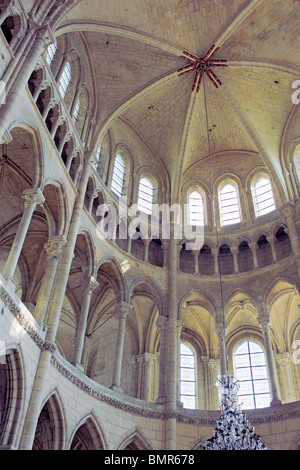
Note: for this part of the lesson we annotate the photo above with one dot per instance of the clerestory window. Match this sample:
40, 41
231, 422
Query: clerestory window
195, 209
118, 178
263, 198
251, 372
65, 79
229, 205
187, 376
51, 51
145, 197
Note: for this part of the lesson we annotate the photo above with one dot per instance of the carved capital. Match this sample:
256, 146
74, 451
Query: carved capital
54, 246
89, 285
33, 197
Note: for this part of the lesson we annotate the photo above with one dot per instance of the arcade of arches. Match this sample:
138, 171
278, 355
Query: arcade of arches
111, 331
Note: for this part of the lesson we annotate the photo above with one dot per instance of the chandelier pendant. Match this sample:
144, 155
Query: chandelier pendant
233, 430
203, 66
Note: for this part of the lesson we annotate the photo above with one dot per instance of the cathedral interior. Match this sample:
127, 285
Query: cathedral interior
150, 221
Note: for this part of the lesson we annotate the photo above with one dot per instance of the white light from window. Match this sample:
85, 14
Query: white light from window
187, 377
196, 209
98, 155
145, 198
65, 80
76, 111
251, 372
263, 197
117, 185
229, 205
51, 51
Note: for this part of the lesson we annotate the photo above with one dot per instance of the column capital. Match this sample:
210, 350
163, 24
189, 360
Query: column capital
123, 309
33, 196
54, 246
90, 284
162, 322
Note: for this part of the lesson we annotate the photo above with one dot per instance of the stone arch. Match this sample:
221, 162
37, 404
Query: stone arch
12, 393
115, 271
56, 206
49, 433
134, 440
88, 435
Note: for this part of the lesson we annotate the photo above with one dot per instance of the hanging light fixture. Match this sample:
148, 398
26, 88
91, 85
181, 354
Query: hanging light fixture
233, 431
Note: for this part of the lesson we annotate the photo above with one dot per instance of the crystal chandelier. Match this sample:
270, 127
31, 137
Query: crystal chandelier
233, 430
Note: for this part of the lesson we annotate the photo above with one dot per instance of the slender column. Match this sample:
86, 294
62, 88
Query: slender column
33, 197
122, 310
41, 39
284, 362
148, 364
289, 213
254, 247
179, 330
162, 324
146, 253
235, 250
215, 253
172, 344
274, 390
65, 265
89, 286
196, 259
213, 372
221, 333
271, 240
53, 249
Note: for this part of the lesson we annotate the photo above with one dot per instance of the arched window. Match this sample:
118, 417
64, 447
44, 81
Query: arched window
229, 205
263, 198
76, 110
97, 156
195, 209
51, 51
117, 185
187, 376
65, 79
145, 198
250, 370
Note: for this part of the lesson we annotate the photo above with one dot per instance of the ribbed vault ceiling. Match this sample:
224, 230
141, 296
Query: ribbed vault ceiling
135, 49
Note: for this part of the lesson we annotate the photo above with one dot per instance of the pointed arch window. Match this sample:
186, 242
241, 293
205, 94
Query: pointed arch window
229, 205
263, 197
76, 111
195, 209
118, 178
187, 376
145, 197
51, 51
65, 79
251, 372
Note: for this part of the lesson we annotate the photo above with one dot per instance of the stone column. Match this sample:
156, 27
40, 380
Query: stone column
264, 322
213, 373
179, 330
123, 309
162, 324
148, 363
272, 240
88, 287
215, 253
66, 261
40, 38
221, 333
289, 213
172, 345
254, 248
235, 250
33, 197
284, 362
53, 248
196, 260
